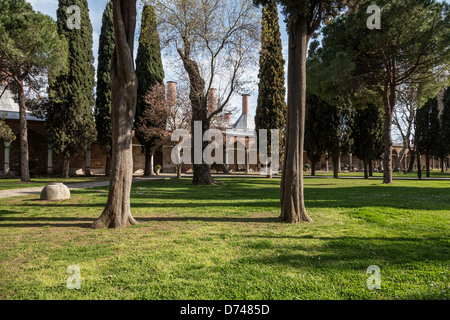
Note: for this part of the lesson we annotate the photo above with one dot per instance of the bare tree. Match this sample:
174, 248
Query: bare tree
216, 40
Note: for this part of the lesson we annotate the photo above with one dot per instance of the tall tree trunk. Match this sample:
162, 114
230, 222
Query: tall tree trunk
313, 168
292, 190
371, 168
442, 165
387, 158
117, 213
412, 152
24, 155
419, 165
400, 158
108, 164
427, 165
336, 166
148, 161
65, 168
366, 172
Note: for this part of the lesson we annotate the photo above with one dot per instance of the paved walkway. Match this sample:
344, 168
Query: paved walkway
74, 186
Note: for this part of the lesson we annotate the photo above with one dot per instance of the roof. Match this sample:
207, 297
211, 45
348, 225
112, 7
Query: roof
10, 107
245, 122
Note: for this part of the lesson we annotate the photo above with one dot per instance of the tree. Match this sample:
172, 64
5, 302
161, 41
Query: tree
410, 48
103, 101
70, 120
445, 124
117, 213
6, 134
367, 134
150, 74
30, 47
303, 20
316, 126
428, 134
216, 41
151, 126
338, 133
271, 109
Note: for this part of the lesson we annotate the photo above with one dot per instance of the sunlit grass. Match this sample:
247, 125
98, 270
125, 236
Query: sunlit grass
224, 242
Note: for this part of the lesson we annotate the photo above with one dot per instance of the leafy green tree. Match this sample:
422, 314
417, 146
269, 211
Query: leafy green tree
6, 134
410, 48
428, 135
316, 126
150, 74
70, 120
30, 48
103, 101
367, 134
271, 109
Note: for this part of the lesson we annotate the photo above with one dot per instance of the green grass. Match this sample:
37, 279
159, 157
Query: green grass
224, 242
10, 184
413, 175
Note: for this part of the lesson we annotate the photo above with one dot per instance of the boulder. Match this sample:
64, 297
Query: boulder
55, 192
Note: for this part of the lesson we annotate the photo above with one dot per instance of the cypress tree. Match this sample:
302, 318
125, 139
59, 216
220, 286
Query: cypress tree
70, 121
271, 109
149, 72
103, 102
428, 131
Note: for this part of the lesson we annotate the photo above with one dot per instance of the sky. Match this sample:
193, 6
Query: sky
96, 8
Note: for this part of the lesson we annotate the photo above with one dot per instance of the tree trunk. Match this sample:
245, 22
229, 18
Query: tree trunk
65, 168
412, 152
148, 161
292, 191
179, 171
400, 158
419, 165
427, 165
366, 172
442, 165
117, 213
370, 168
313, 168
24, 155
336, 165
108, 165
387, 158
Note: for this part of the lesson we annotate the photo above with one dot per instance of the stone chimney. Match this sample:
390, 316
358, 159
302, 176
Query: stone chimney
171, 93
212, 100
246, 104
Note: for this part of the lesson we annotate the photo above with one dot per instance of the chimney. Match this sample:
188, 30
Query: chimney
171, 93
245, 104
212, 100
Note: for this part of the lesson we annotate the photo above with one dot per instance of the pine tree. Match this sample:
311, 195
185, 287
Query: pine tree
271, 109
70, 121
428, 131
103, 102
150, 73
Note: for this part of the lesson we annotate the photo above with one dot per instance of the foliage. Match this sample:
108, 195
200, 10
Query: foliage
316, 126
151, 126
30, 46
6, 134
70, 122
367, 132
103, 101
271, 109
428, 129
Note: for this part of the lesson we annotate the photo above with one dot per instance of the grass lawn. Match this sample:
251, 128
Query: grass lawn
224, 242
9, 184
413, 175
